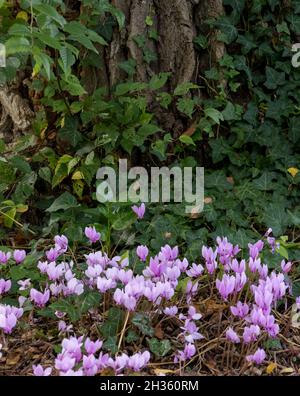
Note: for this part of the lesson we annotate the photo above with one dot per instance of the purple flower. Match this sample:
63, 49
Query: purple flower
89, 365
19, 256
171, 311
190, 332
232, 336
258, 357
241, 310
104, 284
24, 284
61, 243
52, 254
92, 234
4, 286
4, 257
142, 252
251, 333
298, 302
119, 364
254, 264
255, 249
188, 352
72, 346
71, 373
39, 298
92, 347
286, 267
138, 361
226, 250
240, 281
226, 286
193, 315
139, 210
195, 271
39, 371
64, 362
238, 268
210, 259
8, 317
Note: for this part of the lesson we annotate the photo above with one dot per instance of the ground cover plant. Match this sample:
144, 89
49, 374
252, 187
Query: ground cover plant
97, 289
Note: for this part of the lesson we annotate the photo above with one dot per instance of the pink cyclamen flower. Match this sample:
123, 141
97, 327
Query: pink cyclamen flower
139, 210
298, 302
171, 311
19, 256
39, 298
61, 243
64, 362
138, 361
188, 352
286, 267
39, 371
226, 286
142, 252
255, 249
232, 336
258, 357
24, 284
5, 286
92, 234
241, 310
4, 257
195, 271
251, 333
52, 254
92, 347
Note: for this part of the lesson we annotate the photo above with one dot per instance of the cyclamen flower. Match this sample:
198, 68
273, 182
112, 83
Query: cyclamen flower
64, 362
258, 357
226, 250
39, 371
254, 264
71, 373
9, 316
171, 311
4, 257
238, 267
226, 286
39, 298
119, 363
89, 364
19, 256
232, 336
74, 286
63, 327
210, 259
92, 234
24, 284
286, 267
255, 249
251, 333
241, 310
142, 252
190, 332
188, 352
192, 314
195, 271
72, 347
61, 243
240, 281
104, 284
4, 286
0, 351
298, 302
138, 361
92, 347
139, 210
52, 254
191, 290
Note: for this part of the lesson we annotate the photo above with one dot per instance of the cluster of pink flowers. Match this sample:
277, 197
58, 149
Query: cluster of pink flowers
9, 316
85, 358
250, 290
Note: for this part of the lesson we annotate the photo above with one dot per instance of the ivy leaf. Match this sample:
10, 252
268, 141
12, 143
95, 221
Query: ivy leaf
158, 81
274, 78
184, 88
63, 202
214, 114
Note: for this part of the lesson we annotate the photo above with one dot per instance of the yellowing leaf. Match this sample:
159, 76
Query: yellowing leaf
271, 367
22, 15
77, 176
293, 171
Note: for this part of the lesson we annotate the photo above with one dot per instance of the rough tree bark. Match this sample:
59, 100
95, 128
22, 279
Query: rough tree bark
176, 22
